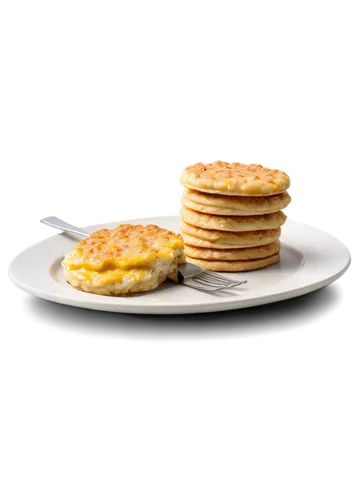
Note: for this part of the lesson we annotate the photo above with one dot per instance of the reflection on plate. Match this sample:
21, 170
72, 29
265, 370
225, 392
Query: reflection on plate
286, 317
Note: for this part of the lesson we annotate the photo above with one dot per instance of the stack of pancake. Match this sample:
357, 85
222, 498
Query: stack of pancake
231, 216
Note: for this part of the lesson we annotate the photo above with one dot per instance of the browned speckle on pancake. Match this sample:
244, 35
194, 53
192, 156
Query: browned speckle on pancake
235, 179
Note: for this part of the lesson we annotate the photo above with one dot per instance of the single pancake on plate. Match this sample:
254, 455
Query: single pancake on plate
235, 265
207, 238
259, 252
128, 259
232, 223
234, 179
217, 204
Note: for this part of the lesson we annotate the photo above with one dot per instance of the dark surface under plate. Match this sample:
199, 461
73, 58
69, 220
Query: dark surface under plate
302, 316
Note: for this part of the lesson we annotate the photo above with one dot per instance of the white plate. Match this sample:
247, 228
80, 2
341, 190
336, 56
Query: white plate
310, 259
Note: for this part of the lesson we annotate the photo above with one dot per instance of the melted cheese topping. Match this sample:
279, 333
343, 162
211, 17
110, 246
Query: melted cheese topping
124, 248
116, 276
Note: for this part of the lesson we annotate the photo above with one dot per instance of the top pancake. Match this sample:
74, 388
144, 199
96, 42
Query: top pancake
235, 179
126, 247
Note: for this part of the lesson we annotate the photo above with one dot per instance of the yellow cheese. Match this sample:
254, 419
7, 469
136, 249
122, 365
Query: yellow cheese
109, 277
129, 252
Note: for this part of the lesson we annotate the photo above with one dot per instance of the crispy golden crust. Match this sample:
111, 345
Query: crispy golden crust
259, 252
232, 223
125, 247
124, 260
235, 179
235, 266
217, 204
207, 238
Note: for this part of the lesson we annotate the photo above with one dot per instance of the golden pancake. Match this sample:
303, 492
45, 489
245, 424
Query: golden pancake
128, 259
232, 223
217, 204
235, 179
206, 238
236, 265
259, 252
191, 240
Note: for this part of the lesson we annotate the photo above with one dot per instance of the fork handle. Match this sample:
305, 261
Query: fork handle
64, 226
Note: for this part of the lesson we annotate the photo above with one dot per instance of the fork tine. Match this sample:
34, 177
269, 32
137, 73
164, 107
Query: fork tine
220, 277
212, 277
215, 279
208, 284
209, 288
204, 279
219, 281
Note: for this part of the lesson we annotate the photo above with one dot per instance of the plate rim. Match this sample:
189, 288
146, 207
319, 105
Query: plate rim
155, 308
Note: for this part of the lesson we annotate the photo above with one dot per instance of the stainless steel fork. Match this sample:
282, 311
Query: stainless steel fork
64, 226
188, 275
205, 281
